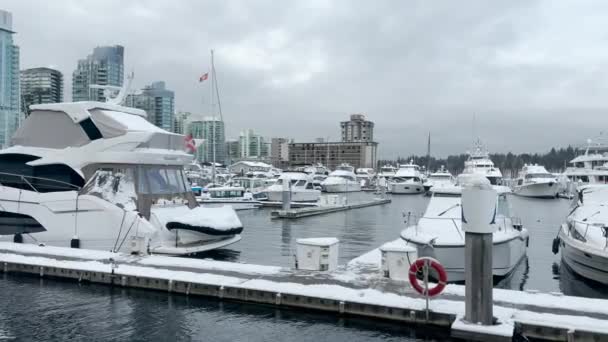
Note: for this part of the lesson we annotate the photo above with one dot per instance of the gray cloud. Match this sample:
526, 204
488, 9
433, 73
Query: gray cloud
532, 72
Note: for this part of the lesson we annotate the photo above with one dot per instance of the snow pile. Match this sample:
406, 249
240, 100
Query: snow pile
116, 188
220, 218
322, 242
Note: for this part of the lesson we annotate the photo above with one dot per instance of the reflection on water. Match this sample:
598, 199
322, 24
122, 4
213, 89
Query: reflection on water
35, 309
572, 284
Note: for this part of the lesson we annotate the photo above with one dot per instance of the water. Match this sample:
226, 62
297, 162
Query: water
35, 309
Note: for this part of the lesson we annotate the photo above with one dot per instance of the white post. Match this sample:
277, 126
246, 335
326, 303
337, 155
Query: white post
286, 194
478, 214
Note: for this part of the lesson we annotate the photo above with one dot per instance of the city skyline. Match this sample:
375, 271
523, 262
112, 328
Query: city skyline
495, 62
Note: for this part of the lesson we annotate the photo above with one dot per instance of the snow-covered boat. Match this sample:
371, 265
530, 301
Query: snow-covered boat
97, 175
536, 181
439, 179
301, 185
237, 197
583, 238
407, 180
343, 179
439, 234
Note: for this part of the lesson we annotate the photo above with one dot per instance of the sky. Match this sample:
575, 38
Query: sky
523, 76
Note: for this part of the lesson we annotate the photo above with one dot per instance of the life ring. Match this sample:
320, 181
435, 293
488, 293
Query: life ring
419, 265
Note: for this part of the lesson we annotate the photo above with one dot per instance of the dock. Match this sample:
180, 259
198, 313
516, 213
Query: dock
320, 210
356, 289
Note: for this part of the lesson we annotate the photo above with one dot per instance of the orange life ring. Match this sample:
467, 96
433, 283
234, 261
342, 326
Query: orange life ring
419, 265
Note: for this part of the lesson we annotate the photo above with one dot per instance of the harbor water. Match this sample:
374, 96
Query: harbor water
43, 309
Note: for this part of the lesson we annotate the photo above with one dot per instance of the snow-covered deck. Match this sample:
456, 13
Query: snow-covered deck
357, 288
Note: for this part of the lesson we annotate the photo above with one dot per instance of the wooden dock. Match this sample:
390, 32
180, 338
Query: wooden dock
357, 289
305, 212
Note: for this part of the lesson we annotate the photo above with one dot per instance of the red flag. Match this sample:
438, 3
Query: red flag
203, 77
190, 143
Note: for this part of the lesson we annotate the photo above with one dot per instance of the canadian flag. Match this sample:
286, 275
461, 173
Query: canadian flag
190, 143
203, 77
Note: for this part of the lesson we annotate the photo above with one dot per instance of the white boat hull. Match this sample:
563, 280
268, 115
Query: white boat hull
236, 204
351, 187
539, 190
296, 196
406, 188
505, 257
584, 261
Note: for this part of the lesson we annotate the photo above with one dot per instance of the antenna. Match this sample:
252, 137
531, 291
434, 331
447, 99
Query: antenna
121, 92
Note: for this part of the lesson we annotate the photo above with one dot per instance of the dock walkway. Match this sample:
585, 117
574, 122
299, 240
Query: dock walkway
306, 212
355, 289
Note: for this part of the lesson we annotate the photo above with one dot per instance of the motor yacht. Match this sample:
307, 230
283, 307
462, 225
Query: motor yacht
439, 179
386, 173
591, 167
366, 177
300, 184
343, 179
98, 175
237, 197
536, 181
583, 238
255, 185
439, 234
407, 180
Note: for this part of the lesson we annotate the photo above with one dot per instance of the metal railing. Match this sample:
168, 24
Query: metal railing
37, 184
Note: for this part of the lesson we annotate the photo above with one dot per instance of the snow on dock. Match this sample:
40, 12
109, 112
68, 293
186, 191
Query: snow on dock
357, 288
320, 210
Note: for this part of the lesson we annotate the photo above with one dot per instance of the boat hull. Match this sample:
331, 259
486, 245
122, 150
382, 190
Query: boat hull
537, 190
236, 204
406, 188
296, 196
583, 261
506, 256
353, 187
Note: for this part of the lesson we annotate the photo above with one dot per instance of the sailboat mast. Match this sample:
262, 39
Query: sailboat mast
428, 155
213, 128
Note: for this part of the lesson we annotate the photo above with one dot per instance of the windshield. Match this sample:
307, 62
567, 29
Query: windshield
159, 181
539, 175
440, 177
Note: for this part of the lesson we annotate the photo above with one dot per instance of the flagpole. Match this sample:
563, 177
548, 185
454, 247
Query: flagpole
213, 128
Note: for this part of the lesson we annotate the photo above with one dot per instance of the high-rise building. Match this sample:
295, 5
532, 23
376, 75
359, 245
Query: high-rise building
158, 102
40, 85
279, 152
332, 154
105, 66
358, 129
180, 122
213, 148
10, 102
233, 151
252, 146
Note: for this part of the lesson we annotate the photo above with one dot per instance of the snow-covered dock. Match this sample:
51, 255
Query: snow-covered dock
305, 212
357, 288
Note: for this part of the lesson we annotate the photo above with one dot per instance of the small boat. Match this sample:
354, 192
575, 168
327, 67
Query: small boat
536, 181
583, 238
387, 172
366, 177
407, 180
439, 234
237, 197
439, 179
343, 179
301, 185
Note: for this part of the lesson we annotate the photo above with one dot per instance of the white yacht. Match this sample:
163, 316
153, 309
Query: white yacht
407, 180
237, 197
98, 175
536, 181
366, 177
583, 238
590, 167
301, 185
439, 234
343, 179
439, 179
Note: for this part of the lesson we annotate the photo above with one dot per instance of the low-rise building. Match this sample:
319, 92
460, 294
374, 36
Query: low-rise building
244, 166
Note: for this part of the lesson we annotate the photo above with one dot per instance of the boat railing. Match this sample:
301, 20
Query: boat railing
37, 184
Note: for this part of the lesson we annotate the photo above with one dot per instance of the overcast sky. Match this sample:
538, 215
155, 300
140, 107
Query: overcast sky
533, 73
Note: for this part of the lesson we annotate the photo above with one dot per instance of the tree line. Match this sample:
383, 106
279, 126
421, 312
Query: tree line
555, 160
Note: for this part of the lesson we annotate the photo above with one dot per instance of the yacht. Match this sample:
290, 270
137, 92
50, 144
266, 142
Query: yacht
301, 185
439, 179
366, 177
343, 179
99, 176
387, 172
479, 162
536, 181
237, 197
439, 234
583, 238
590, 167
407, 180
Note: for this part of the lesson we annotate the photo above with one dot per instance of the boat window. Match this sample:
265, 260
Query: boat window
301, 182
502, 206
350, 178
156, 180
538, 175
309, 186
